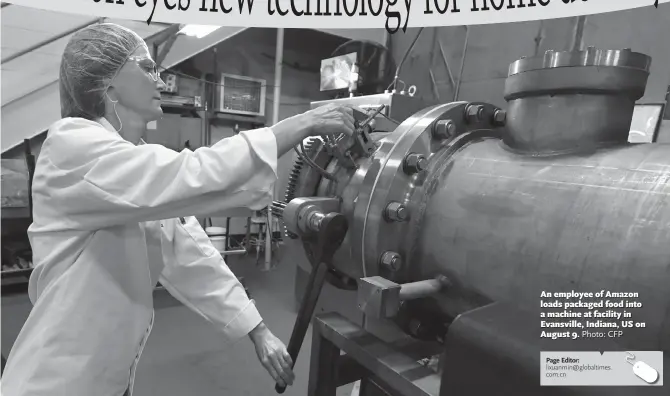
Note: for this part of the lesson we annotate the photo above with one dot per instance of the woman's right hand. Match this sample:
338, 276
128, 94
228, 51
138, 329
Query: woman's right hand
330, 119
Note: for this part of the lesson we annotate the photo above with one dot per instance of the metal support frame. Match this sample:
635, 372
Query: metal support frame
490, 350
390, 368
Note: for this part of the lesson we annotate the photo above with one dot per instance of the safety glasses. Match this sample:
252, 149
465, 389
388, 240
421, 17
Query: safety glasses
147, 65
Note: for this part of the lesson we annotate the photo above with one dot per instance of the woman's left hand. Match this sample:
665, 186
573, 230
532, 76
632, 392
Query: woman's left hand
273, 355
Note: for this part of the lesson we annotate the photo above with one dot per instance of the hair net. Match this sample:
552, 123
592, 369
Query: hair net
91, 60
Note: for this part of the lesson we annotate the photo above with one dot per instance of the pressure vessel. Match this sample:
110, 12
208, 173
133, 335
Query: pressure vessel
545, 196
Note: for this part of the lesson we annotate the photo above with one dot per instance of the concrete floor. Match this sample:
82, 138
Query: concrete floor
185, 355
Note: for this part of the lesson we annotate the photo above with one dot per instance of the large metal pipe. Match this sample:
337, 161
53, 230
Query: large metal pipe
546, 197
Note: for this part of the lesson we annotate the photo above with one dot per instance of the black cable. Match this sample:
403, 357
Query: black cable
404, 58
303, 156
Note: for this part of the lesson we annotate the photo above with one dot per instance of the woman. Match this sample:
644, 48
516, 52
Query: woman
100, 239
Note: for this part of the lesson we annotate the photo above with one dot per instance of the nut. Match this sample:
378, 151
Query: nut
499, 117
395, 211
444, 129
391, 260
474, 113
415, 163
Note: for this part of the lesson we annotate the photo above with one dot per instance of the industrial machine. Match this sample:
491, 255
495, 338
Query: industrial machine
442, 227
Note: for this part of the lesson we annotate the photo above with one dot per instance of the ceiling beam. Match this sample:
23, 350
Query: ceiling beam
17, 122
164, 35
50, 40
166, 49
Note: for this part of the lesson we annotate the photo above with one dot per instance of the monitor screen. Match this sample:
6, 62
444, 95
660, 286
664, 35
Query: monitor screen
338, 72
645, 123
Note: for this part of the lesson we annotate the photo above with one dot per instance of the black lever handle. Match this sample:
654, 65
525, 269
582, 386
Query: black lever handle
331, 234
316, 280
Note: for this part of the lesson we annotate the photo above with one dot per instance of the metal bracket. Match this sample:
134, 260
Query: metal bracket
378, 297
381, 298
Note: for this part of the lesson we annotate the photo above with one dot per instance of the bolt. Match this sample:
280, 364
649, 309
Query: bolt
474, 113
415, 163
391, 260
499, 117
395, 211
444, 129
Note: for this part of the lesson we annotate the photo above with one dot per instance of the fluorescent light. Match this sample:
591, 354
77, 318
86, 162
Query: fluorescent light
198, 31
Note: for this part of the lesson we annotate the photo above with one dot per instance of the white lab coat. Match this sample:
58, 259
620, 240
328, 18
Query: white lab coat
101, 243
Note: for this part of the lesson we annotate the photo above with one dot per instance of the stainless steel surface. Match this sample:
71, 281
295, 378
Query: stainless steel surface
509, 228
503, 223
591, 56
568, 101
